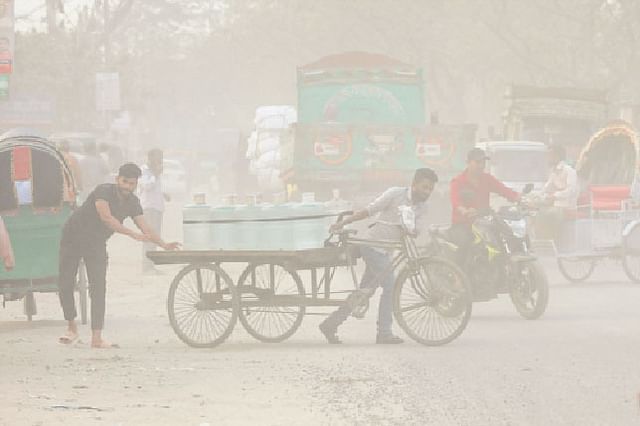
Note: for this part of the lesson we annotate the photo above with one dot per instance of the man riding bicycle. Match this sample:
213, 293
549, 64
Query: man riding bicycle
387, 227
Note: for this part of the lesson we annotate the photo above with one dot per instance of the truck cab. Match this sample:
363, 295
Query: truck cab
517, 163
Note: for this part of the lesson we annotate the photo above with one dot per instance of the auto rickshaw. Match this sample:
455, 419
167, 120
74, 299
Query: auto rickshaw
37, 195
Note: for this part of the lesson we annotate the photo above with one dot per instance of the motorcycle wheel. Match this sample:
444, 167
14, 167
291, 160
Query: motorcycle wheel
530, 293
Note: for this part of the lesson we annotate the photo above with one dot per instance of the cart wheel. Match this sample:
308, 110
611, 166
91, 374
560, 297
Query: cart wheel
576, 269
631, 257
269, 302
82, 288
432, 301
530, 295
202, 305
30, 308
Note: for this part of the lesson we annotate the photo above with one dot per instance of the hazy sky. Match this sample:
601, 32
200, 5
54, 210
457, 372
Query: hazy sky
31, 13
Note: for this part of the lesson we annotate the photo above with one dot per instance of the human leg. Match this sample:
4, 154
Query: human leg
67, 272
96, 263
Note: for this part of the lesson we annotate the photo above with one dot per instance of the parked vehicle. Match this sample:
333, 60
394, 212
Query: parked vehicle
362, 128
37, 195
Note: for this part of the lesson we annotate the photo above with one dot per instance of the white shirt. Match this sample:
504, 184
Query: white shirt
150, 188
563, 185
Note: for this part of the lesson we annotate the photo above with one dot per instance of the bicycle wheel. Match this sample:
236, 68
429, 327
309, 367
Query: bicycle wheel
576, 269
268, 297
432, 301
202, 305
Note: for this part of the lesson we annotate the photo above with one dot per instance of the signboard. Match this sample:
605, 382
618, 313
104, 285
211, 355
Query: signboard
6, 36
108, 91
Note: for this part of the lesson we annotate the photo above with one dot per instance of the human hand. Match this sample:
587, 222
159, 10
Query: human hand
336, 227
9, 264
470, 213
171, 246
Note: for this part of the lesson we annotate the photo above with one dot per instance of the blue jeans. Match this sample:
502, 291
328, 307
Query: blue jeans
376, 263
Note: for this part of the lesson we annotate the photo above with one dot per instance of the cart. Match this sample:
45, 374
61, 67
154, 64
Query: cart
432, 300
607, 221
37, 195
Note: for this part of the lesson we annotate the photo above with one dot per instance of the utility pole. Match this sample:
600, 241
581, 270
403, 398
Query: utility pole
107, 29
52, 10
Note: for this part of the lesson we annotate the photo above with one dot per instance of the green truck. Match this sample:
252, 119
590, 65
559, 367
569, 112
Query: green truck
361, 128
565, 115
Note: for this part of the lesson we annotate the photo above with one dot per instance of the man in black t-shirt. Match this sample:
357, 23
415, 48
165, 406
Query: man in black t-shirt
85, 237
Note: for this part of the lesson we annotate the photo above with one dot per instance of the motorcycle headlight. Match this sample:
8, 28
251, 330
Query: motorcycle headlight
518, 227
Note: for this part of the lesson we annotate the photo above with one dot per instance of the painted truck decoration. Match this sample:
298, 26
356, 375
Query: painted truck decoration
361, 124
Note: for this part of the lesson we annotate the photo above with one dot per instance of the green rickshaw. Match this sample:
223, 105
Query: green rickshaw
37, 195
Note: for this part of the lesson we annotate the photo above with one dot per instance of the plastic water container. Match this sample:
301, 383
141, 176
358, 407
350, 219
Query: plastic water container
309, 232
277, 234
246, 232
221, 230
195, 227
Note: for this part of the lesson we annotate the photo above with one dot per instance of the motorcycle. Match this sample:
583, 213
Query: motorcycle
499, 260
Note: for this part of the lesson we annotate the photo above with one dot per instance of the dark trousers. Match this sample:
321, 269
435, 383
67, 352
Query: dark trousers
377, 273
95, 259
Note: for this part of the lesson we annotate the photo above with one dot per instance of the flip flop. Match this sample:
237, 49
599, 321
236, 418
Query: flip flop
67, 339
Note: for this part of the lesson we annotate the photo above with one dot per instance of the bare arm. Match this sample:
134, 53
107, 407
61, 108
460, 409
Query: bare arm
357, 216
6, 251
151, 235
104, 212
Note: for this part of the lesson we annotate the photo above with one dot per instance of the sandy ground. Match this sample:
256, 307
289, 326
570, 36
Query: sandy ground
578, 365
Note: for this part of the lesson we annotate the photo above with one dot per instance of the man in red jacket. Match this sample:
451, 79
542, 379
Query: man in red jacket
470, 193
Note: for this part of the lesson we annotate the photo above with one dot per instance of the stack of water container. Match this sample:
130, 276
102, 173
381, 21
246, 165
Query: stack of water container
289, 226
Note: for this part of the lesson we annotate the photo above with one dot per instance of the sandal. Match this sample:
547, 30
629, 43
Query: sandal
68, 338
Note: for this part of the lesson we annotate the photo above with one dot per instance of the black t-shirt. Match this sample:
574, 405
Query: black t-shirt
85, 224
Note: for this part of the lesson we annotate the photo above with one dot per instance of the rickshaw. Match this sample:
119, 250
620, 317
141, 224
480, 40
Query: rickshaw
37, 195
606, 223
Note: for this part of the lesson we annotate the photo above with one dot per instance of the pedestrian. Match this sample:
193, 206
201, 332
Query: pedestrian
94, 169
152, 198
6, 250
85, 236
560, 193
74, 167
378, 272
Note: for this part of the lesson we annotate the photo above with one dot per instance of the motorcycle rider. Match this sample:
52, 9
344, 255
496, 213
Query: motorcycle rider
470, 193
386, 228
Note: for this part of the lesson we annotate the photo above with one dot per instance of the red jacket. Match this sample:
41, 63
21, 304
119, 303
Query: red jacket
480, 194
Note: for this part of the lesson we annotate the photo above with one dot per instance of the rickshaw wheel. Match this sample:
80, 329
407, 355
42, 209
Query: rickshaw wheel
202, 305
576, 270
262, 312
522, 292
631, 254
433, 304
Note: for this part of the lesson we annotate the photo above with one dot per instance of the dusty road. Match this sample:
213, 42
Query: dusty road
579, 365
